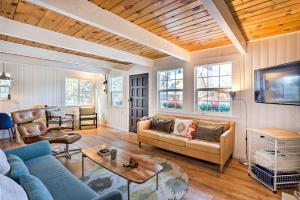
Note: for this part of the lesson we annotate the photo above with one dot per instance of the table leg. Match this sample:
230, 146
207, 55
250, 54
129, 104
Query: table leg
128, 188
156, 181
82, 165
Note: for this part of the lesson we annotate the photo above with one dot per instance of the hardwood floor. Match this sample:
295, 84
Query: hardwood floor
205, 182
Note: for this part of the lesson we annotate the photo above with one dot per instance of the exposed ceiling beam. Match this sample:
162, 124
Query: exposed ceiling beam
36, 34
89, 13
220, 12
76, 62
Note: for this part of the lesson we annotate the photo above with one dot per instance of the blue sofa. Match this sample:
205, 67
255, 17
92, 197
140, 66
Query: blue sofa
61, 183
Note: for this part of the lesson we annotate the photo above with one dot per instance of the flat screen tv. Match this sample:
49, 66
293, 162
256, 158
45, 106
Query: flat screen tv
278, 85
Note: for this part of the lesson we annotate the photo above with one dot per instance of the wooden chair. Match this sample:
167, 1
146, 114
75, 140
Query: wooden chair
87, 114
58, 116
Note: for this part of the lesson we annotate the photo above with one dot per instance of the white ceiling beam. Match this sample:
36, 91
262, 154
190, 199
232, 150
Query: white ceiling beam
221, 13
74, 62
89, 13
36, 34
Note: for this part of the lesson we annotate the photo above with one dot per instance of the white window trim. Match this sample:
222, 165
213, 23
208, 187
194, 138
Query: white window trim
158, 95
212, 113
78, 96
110, 92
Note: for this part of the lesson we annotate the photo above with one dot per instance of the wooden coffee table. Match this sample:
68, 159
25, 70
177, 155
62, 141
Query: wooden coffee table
145, 171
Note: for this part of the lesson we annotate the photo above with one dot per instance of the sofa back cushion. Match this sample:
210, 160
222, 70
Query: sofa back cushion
34, 188
162, 125
18, 167
209, 133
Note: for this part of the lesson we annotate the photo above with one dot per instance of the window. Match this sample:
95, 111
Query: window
77, 91
213, 83
170, 89
116, 90
4, 89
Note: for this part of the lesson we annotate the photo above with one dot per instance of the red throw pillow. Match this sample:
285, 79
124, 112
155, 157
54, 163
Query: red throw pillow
190, 133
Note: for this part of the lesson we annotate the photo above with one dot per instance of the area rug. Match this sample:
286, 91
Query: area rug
173, 182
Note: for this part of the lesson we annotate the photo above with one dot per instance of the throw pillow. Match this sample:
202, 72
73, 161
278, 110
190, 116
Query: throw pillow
181, 127
18, 168
210, 133
34, 188
191, 132
215, 123
10, 190
161, 125
4, 165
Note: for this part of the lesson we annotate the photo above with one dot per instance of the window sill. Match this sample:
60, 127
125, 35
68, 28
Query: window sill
196, 114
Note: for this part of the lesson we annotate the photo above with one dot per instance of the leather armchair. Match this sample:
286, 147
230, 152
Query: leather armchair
32, 130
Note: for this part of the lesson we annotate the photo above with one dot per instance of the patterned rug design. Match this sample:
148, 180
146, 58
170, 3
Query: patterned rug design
173, 182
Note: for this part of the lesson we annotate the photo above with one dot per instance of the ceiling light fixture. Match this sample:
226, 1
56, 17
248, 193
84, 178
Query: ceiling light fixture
4, 76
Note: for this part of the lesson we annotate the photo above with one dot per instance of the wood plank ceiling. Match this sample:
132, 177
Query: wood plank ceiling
183, 22
264, 18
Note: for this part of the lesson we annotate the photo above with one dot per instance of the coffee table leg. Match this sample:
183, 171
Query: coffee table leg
156, 181
82, 164
128, 188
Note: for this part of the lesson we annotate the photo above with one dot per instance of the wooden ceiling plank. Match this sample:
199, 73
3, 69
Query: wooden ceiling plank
89, 13
264, 8
159, 12
108, 5
28, 13
290, 10
219, 10
8, 8
33, 33
137, 7
149, 9
123, 5
207, 45
248, 4
174, 15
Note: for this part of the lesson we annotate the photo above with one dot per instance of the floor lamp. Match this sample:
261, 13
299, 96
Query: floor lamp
232, 95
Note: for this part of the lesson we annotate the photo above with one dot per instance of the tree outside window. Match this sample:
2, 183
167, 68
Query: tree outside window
170, 89
213, 83
116, 90
77, 92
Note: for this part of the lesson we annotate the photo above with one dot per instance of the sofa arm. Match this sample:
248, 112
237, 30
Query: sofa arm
226, 145
31, 151
112, 195
143, 125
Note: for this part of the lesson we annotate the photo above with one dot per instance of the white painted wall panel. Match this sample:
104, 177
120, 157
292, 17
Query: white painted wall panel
261, 53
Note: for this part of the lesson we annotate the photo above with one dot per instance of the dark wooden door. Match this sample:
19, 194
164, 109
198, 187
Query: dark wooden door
138, 99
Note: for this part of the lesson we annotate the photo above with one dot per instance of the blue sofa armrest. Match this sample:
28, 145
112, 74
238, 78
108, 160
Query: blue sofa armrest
31, 151
111, 195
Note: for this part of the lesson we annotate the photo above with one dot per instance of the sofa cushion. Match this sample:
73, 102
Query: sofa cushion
152, 134
210, 133
161, 125
18, 168
203, 145
61, 183
173, 139
34, 188
10, 190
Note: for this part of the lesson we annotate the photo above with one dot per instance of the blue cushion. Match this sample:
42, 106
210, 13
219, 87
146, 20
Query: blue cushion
34, 188
31, 151
18, 168
60, 182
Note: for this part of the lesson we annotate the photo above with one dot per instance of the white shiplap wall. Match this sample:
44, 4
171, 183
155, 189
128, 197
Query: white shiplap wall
261, 53
40, 85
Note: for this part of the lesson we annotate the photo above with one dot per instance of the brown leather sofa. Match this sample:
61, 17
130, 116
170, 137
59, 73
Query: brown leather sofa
215, 152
